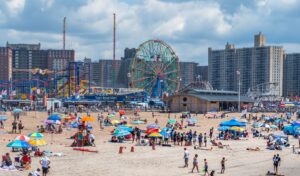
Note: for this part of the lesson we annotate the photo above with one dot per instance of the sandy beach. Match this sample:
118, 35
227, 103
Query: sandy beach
163, 161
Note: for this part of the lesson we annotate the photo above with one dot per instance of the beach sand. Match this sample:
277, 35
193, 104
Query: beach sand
163, 161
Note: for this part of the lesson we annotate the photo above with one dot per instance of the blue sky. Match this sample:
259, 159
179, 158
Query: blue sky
189, 26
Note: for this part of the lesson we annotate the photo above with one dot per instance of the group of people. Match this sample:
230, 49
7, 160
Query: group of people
186, 157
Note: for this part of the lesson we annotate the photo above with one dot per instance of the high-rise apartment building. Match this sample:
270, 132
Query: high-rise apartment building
103, 72
5, 63
291, 75
26, 57
187, 73
254, 66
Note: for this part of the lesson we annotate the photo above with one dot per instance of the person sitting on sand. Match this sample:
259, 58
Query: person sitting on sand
253, 149
38, 153
25, 160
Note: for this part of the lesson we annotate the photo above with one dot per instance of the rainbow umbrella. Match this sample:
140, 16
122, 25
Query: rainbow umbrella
18, 144
36, 135
22, 138
37, 142
155, 135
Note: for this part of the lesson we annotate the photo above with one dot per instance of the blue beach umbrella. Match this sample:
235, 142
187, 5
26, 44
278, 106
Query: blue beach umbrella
18, 144
54, 118
17, 110
125, 128
122, 133
3, 118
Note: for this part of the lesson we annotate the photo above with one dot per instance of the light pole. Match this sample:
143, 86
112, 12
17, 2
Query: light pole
128, 79
239, 95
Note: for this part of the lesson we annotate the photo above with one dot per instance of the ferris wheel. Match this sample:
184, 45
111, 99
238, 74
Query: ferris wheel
155, 68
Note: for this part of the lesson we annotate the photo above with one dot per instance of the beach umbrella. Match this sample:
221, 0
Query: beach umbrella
257, 125
223, 128
36, 135
125, 128
233, 122
274, 126
242, 120
165, 134
192, 120
58, 114
122, 133
235, 128
122, 112
18, 144
210, 115
152, 130
17, 110
166, 129
172, 121
37, 142
111, 115
155, 135
114, 122
22, 138
136, 122
88, 119
54, 118
3, 118
153, 126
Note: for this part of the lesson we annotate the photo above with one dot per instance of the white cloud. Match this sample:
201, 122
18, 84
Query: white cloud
189, 26
15, 6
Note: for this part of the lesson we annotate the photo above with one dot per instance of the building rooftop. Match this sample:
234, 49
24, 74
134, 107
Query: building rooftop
216, 95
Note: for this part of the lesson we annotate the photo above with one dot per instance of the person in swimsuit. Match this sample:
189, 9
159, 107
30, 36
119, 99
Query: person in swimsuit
195, 163
205, 168
223, 165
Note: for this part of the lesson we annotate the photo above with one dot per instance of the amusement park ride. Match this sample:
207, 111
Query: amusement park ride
61, 83
155, 68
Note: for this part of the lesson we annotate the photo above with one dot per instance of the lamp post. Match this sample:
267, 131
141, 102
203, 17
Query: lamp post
239, 93
128, 79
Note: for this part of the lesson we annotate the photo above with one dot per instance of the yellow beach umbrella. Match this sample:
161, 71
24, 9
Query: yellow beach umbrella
37, 142
115, 122
235, 128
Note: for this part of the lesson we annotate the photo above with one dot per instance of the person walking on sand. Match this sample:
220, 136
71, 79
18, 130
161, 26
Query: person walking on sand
195, 163
200, 138
276, 163
186, 157
14, 127
223, 165
205, 168
20, 126
205, 140
45, 162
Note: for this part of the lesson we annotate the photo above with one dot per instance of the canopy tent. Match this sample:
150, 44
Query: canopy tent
233, 122
223, 128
